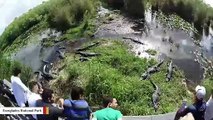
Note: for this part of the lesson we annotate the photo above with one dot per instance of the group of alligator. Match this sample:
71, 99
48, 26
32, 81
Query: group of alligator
46, 72
151, 70
84, 55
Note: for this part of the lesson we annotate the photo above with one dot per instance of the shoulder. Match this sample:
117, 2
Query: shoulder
67, 102
117, 112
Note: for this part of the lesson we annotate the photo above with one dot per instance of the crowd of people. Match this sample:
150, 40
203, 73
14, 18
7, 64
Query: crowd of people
77, 107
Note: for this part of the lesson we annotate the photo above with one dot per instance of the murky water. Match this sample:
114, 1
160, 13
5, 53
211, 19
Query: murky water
151, 34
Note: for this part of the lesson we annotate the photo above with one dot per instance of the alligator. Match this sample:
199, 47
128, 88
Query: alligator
169, 71
62, 47
47, 62
87, 47
155, 96
145, 76
87, 54
151, 70
61, 54
83, 59
46, 74
133, 40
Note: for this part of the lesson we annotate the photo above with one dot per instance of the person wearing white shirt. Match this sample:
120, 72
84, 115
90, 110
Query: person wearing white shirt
34, 95
20, 91
209, 108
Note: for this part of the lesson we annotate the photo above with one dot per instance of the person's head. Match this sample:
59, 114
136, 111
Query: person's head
110, 102
48, 96
200, 93
17, 72
77, 93
34, 87
40, 88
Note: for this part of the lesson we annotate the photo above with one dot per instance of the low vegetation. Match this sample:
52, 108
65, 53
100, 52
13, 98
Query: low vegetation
151, 52
117, 73
208, 83
61, 15
7, 66
193, 11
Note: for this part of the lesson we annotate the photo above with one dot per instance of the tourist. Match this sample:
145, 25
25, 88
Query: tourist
108, 113
34, 95
48, 101
77, 108
197, 109
209, 108
20, 91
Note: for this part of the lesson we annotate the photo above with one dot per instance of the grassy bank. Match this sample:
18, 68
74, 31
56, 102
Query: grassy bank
193, 11
208, 83
117, 73
62, 15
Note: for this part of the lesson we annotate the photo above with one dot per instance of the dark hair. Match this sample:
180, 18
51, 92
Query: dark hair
76, 92
32, 84
107, 100
46, 95
16, 71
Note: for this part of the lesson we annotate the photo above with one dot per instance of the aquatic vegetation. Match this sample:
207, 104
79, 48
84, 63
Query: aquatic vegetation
193, 11
175, 22
117, 72
151, 52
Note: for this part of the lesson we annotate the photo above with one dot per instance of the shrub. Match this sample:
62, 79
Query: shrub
66, 13
22, 24
7, 66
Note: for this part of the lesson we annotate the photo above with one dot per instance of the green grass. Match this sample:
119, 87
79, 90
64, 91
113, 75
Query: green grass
117, 73
61, 15
195, 11
192, 11
208, 83
23, 23
7, 66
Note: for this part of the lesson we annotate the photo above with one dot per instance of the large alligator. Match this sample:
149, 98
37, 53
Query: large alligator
46, 74
133, 40
155, 96
87, 47
169, 71
87, 54
151, 70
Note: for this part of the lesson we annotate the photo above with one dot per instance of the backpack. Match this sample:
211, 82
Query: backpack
74, 112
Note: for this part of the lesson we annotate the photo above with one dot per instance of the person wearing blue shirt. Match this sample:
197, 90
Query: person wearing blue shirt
77, 108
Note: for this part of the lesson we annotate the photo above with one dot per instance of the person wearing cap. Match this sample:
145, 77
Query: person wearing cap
209, 108
197, 109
